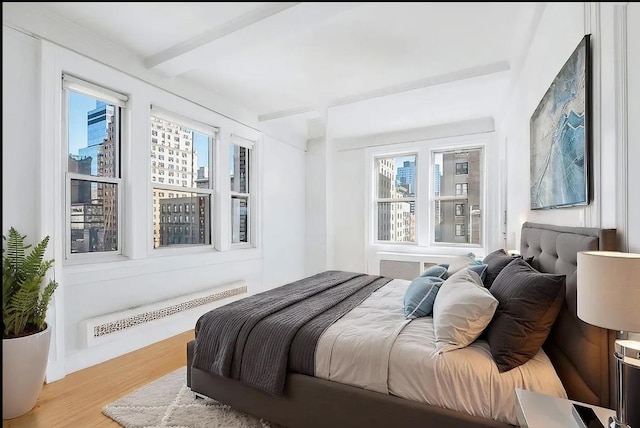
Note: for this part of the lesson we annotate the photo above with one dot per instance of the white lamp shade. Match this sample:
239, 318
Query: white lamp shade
609, 289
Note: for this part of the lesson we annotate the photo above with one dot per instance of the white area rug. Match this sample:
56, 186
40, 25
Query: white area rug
168, 402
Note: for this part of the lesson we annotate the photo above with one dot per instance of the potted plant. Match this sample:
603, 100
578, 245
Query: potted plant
26, 336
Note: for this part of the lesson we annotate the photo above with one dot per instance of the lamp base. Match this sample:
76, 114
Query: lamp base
614, 423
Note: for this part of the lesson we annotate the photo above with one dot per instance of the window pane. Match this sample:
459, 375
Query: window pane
94, 216
457, 176
396, 177
185, 219
239, 220
396, 221
455, 228
239, 169
92, 136
179, 156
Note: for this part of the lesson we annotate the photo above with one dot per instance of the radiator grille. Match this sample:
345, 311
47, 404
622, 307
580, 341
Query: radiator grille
121, 324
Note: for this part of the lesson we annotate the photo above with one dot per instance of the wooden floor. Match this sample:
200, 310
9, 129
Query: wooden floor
77, 400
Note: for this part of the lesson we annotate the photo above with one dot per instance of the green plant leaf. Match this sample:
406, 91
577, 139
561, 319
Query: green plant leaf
24, 299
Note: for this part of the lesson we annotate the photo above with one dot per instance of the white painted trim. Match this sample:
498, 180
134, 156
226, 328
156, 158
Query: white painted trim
622, 124
593, 212
51, 200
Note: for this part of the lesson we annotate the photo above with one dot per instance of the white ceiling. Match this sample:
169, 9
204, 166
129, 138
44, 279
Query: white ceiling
278, 59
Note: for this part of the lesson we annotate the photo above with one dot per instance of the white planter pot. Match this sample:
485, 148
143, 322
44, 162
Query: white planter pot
24, 365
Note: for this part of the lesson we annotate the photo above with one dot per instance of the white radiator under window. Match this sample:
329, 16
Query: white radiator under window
96, 330
408, 266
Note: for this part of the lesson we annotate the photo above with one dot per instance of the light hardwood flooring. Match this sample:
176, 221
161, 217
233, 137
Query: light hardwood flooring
77, 399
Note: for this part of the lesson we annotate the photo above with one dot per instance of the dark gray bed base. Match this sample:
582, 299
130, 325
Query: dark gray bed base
582, 355
310, 402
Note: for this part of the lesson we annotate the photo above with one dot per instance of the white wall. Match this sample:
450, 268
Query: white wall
316, 206
561, 27
20, 133
560, 30
32, 177
284, 220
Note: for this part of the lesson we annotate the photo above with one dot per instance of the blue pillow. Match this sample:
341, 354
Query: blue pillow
439, 271
480, 270
420, 295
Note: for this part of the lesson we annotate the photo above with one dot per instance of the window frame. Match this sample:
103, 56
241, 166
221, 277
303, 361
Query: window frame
425, 181
249, 196
211, 131
71, 83
377, 200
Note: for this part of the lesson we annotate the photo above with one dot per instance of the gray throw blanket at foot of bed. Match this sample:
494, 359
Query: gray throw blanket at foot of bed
256, 338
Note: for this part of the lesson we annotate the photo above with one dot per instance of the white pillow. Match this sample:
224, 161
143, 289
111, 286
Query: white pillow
462, 310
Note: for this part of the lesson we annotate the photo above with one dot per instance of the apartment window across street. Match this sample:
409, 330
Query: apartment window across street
453, 192
462, 188
92, 123
195, 142
395, 189
462, 168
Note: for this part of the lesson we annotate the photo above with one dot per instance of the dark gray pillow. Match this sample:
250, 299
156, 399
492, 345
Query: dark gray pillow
495, 261
528, 304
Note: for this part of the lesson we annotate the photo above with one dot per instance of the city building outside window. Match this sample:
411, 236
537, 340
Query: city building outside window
395, 202
195, 142
240, 181
452, 193
92, 123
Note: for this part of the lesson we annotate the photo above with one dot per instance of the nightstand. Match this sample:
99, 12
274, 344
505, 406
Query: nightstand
535, 410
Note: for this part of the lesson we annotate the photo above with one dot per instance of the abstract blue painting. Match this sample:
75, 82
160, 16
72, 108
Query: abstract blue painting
559, 131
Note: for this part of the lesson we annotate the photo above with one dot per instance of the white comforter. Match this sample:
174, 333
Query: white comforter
374, 347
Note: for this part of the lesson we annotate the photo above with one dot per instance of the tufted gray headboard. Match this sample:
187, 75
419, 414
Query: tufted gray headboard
581, 353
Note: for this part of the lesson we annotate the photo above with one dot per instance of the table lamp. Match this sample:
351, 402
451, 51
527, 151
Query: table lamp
608, 290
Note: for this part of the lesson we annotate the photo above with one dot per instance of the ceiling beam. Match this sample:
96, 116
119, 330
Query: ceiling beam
271, 20
458, 75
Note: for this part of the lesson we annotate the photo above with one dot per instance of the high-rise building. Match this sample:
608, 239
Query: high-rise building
174, 162
407, 176
460, 219
94, 216
396, 221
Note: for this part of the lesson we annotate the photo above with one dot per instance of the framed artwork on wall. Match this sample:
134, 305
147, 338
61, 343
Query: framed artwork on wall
560, 132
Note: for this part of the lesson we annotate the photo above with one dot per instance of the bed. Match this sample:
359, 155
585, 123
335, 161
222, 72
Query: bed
580, 354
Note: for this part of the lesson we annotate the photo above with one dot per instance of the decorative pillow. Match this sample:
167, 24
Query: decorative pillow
462, 310
439, 271
420, 295
481, 270
496, 261
529, 303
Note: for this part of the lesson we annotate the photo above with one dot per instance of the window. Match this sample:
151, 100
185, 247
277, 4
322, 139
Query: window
196, 190
462, 168
452, 223
462, 188
240, 193
92, 125
395, 202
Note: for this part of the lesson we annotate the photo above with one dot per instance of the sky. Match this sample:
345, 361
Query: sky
80, 104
